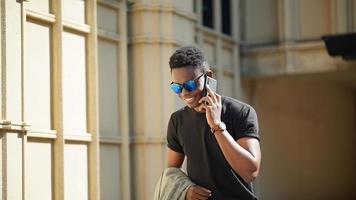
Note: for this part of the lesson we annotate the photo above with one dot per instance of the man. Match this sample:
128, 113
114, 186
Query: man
219, 135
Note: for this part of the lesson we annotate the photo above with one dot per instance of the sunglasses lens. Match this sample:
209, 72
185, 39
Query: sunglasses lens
190, 85
176, 88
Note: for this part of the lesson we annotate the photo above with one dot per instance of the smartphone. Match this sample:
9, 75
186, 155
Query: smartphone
212, 83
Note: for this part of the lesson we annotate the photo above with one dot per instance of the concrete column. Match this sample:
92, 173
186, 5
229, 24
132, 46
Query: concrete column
155, 30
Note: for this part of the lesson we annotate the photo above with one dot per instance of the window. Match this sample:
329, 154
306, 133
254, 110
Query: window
208, 13
226, 16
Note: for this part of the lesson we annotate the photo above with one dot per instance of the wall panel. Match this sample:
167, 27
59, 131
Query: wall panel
314, 18
74, 83
185, 5
210, 53
39, 5
76, 172
184, 29
226, 86
260, 21
39, 181
227, 59
37, 76
74, 11
13, 164
319, 110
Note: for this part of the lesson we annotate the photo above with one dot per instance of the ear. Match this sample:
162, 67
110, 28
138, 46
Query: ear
210, 73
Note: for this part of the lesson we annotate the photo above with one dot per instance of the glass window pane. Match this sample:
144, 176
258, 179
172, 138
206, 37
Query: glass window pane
107, 19
354, 15
226, 16
110, 171
108, 88
208, 13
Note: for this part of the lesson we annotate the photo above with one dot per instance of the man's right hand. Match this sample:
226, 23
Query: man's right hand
197, 192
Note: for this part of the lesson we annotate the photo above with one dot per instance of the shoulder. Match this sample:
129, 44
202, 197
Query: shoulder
234, 106
240, 117
179, 114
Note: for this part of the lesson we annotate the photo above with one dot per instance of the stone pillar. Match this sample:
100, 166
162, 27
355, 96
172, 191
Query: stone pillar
155, 30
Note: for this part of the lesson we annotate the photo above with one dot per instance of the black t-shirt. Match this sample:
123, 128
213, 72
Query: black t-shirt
189, 134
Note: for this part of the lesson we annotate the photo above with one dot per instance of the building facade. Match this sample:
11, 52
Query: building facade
85, 100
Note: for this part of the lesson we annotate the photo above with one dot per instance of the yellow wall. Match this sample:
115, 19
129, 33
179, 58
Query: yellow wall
308, 137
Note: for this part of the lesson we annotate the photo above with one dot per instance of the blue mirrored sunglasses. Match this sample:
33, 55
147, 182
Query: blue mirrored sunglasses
189, 85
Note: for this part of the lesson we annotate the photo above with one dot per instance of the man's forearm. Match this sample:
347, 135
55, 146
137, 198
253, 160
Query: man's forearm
240, 159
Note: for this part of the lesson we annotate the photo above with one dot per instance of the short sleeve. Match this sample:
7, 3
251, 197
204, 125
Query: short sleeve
246, 123
173, 141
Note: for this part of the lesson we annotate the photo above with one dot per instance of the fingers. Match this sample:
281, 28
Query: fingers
204, 100
211, 94
203, 191
198, 192
218, 97
207, 100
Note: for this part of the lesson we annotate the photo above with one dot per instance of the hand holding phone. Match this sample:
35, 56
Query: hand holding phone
212, 83
211, 105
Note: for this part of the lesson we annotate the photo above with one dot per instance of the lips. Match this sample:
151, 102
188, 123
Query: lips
189, 100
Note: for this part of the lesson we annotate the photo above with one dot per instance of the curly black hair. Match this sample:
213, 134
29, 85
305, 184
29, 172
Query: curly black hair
188, 56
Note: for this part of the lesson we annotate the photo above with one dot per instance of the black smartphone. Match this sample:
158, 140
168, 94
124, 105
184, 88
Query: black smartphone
212, 83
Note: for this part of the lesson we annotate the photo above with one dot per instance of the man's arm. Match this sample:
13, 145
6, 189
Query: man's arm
243, 155
174, 159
